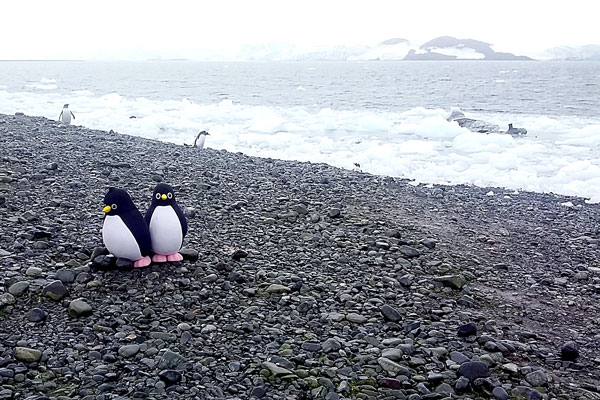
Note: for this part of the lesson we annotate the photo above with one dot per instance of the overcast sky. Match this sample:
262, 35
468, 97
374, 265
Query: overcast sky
70, 29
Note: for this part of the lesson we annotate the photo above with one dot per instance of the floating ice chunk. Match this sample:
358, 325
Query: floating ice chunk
42, 86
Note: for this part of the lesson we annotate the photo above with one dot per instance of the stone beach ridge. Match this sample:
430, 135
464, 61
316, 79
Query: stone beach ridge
300, 280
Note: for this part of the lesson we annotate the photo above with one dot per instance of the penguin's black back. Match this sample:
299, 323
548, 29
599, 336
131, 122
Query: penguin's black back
163, 188
131, 217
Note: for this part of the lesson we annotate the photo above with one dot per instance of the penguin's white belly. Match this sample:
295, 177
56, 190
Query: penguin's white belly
66, 117
165, 231
118, 239
201, 141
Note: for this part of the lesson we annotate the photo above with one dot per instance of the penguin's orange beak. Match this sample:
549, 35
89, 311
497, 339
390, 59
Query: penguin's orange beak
164, 197
106, 209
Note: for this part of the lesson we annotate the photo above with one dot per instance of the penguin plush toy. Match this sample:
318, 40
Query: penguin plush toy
167, 225
124, 232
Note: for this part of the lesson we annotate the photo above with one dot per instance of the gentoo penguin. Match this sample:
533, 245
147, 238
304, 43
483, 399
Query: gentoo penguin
167, 224
65, 115
124, 232
200, 139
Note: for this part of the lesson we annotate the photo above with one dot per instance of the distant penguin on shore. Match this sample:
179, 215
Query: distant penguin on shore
65, 115
167, 224
124, 231
200, 139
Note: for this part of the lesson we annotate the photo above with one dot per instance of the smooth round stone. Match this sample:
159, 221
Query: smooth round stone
129, 350
390, 313
537, 378
36, 315
55, 290
18, 288
465, 330
184, 326
569, 351
500, 393
473, 370
169, 376
33, 272
79, 308
65, 275
27, 354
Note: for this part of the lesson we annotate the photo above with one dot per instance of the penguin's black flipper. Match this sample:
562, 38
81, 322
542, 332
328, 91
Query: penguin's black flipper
138, 227
182, 219
149, 212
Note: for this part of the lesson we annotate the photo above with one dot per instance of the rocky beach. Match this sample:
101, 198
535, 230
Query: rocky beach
300, 280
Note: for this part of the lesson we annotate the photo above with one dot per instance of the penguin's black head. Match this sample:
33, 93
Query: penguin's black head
66, 106
117, 202
163, 195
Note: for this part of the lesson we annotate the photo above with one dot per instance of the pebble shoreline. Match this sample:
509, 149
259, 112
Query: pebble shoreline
300, 281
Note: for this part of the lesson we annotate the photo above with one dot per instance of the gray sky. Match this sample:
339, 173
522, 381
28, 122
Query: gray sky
70, 29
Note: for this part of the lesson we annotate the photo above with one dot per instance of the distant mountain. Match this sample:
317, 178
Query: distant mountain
440, 48
394, 41
451, 48
391, 49
590, 52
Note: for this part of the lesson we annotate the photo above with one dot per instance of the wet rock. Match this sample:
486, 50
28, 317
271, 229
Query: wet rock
408, 251
569, 351
392, 367
334, 213
33, 272
356, 318
537, 378
172, 360
27, 354
36, 315
18, 288
275, 288
66, 275
258, 392
55, 290
453, 281
169, 376
79, 308
465, 330
473, 370
239, 254
190, 255
499, 393
129, 350
277, 371
390, 313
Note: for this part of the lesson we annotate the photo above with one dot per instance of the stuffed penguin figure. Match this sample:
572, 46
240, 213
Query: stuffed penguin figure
124, 232
167, 225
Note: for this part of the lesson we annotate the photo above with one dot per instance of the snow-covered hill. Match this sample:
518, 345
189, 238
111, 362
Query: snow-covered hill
440, 48
589, 52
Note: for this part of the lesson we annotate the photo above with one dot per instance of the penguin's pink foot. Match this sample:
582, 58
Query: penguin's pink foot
142, 262
159, 258
175, 257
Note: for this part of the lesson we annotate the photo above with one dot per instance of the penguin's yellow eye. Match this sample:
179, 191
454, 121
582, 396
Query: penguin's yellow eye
113, 206
157, 196
170, 195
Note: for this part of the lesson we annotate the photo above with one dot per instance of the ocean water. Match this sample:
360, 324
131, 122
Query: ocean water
388, 117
